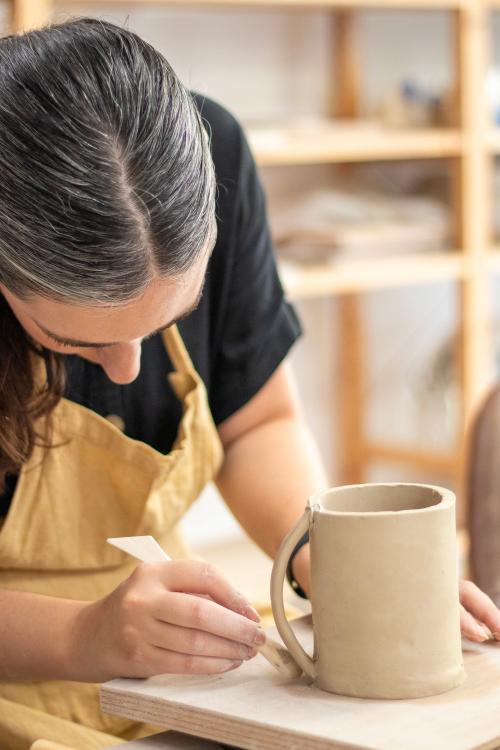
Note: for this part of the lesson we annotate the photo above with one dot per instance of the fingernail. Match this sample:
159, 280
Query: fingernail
246, 609
482, 633
252, 613
260, 638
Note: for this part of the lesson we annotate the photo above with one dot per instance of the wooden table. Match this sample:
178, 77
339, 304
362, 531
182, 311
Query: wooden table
253, 707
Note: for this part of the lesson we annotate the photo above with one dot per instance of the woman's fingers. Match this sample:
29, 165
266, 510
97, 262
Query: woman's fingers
198, 577
197, 613
477, 605
148, 660
197, 642
470, 628
171, 662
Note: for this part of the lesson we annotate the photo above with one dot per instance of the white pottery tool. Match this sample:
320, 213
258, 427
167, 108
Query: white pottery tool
147, 549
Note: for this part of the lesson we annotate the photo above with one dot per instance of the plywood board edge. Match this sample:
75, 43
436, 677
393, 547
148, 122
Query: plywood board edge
245, 734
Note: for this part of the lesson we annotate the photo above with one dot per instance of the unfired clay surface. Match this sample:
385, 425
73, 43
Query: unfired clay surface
385, 600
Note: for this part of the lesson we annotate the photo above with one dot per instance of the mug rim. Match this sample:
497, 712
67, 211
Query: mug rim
448, 499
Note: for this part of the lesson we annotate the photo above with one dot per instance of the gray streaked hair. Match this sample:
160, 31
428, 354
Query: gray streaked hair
107, 179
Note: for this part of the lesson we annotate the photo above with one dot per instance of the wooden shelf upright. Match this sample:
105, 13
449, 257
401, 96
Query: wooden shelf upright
469, 145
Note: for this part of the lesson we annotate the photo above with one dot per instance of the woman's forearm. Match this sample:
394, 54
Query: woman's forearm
36, 636
267, 476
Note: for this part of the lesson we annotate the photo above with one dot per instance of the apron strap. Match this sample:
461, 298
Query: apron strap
179, 355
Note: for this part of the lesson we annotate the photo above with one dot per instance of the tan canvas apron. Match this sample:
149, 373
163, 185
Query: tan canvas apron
68, 500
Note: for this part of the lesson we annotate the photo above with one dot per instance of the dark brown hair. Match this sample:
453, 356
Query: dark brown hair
107, 182
21, 404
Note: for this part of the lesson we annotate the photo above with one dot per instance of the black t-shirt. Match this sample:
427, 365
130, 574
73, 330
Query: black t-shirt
241, 330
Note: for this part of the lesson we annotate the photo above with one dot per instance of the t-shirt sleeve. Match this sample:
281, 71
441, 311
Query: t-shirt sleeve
259, 325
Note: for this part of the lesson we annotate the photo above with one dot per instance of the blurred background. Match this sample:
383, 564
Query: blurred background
374, 129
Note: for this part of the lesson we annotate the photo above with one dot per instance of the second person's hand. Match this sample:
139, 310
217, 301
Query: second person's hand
179, 617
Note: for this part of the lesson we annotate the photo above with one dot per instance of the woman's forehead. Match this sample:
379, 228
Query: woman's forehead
162, 303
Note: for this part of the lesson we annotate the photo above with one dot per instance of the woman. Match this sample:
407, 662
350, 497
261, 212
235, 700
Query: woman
120, 218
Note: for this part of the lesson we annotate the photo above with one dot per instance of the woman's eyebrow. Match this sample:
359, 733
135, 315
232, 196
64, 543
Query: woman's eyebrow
90, 345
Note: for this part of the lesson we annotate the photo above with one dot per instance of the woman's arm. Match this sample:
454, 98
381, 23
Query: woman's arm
35, 636
153, 622
272, 466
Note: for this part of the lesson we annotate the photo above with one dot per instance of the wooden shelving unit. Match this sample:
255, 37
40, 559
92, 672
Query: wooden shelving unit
350, 277
334, 4
343, 144
469, 146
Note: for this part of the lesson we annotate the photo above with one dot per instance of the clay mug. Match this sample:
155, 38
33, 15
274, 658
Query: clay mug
384, 591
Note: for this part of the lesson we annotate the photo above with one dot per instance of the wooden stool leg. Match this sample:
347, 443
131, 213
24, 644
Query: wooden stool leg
351, 398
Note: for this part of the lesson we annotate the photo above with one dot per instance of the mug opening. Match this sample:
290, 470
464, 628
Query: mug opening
380, 498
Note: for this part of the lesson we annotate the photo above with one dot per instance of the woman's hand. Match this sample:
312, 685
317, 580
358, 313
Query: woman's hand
180, 616
475, 606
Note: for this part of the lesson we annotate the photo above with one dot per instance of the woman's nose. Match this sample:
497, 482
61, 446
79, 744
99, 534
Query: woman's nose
122, 362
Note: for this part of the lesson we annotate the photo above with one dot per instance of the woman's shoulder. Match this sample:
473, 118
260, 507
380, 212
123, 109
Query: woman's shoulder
216, 114
227, 138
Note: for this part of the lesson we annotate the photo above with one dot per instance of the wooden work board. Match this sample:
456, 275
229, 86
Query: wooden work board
253, 707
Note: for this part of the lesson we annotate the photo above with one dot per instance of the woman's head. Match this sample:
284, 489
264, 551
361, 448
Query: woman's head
107, 208
107, 176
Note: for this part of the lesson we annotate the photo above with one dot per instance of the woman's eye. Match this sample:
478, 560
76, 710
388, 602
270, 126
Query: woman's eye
61, 343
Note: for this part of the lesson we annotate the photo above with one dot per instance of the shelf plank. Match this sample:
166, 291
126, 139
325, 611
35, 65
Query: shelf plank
344, 276
408, 4
442, 463
282, 146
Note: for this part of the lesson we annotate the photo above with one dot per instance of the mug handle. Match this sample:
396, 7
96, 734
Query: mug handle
277, 579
